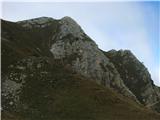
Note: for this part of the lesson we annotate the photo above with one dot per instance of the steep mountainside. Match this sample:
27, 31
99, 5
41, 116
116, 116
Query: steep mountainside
52, 70
43, 89
136, 77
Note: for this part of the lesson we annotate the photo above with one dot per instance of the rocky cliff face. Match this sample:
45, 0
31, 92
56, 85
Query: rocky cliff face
135, 76
35, 44
75, 48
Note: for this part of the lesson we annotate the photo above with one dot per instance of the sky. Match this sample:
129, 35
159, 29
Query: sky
112, 25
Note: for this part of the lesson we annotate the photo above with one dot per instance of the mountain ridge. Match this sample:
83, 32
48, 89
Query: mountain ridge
64, 40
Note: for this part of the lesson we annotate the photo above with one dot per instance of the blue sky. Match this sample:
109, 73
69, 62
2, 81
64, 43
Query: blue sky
112, 25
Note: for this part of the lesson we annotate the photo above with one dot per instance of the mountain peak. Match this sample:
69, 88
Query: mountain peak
67, 18
38, 19
70, 26
121, 53
67, 25
36, 22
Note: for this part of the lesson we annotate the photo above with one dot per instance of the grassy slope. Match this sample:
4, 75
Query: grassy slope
18, 42
73, 97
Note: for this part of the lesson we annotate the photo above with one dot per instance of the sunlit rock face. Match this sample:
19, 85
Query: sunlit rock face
69, 26
84, 56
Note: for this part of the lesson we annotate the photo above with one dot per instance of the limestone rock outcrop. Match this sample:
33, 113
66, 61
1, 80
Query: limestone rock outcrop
33, 43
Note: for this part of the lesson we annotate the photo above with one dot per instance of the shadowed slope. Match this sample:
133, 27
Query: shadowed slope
61, 94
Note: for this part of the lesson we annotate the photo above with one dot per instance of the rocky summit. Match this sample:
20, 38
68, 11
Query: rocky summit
52, 70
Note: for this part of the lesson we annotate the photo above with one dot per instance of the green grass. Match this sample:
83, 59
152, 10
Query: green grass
64, 95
